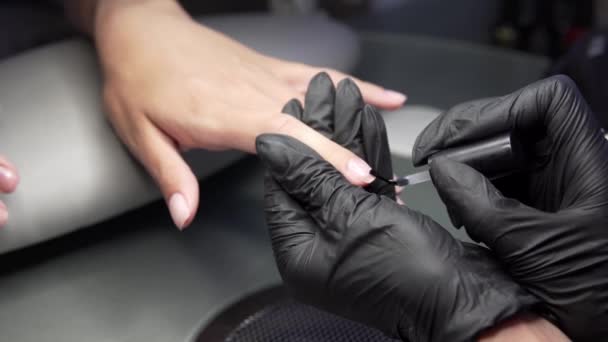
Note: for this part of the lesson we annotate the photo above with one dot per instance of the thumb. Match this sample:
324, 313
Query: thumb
319, 188
355, 169
161, 158
471, 200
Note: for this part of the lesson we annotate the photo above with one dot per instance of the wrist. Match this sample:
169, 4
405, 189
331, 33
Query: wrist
524, 328
116, 13
81, 13
94, 16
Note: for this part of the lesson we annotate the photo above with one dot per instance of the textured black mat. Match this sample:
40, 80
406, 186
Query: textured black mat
272, 316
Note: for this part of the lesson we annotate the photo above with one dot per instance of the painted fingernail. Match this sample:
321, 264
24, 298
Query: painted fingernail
178, 207
6, 174
359, 169
395, 96
398, 188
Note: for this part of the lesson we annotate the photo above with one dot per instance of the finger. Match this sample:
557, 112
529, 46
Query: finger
3, 214
162, 160
349, 104
473, 201
373, 94
355, 169
290, 225
321, 190
532, 112
398, 189
460, 124
319, 105
375, 142
9, 178
292, 234
377, 151
293, 108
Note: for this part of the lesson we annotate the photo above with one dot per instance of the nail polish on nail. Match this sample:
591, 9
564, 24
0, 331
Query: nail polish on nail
398, 189
360, 170
6, 173
178, 207
395, 96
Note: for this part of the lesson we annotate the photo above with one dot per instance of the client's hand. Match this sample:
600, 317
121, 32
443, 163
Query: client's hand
8, 183
172, 84
549, 223
358, 253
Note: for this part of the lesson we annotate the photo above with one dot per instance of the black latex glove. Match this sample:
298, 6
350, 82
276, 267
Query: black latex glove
365, 257
341, 116
552, 234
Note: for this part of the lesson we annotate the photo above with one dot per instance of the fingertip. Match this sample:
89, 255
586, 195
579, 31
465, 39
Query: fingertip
321, 78
395, 98
178, 184
398, 189
294, 108
263, 148
180, 210
9, 178
3, 214
183, 204
320, 89
348, 87
383, 98
182, 201
444, 172
447, 172
358, 172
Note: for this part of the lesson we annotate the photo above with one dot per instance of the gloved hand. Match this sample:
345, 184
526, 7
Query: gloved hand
549, 223
363, 256
340, 115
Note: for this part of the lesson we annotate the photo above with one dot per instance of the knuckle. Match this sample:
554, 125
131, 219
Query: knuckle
194, 94
560, 85
564, 81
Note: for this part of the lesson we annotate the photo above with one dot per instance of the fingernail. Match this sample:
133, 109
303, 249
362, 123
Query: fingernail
360, 170
6, 174
395, 96
178, 207
398, 189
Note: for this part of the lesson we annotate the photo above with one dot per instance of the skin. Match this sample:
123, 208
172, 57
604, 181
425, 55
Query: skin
524, 328
171, 84
9, 178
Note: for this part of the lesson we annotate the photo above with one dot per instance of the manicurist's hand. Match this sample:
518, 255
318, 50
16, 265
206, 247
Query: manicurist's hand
172, 84
547, 224
9, 178
357, 253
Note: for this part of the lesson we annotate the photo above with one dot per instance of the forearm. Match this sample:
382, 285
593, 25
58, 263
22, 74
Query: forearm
87, 14
524, 329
